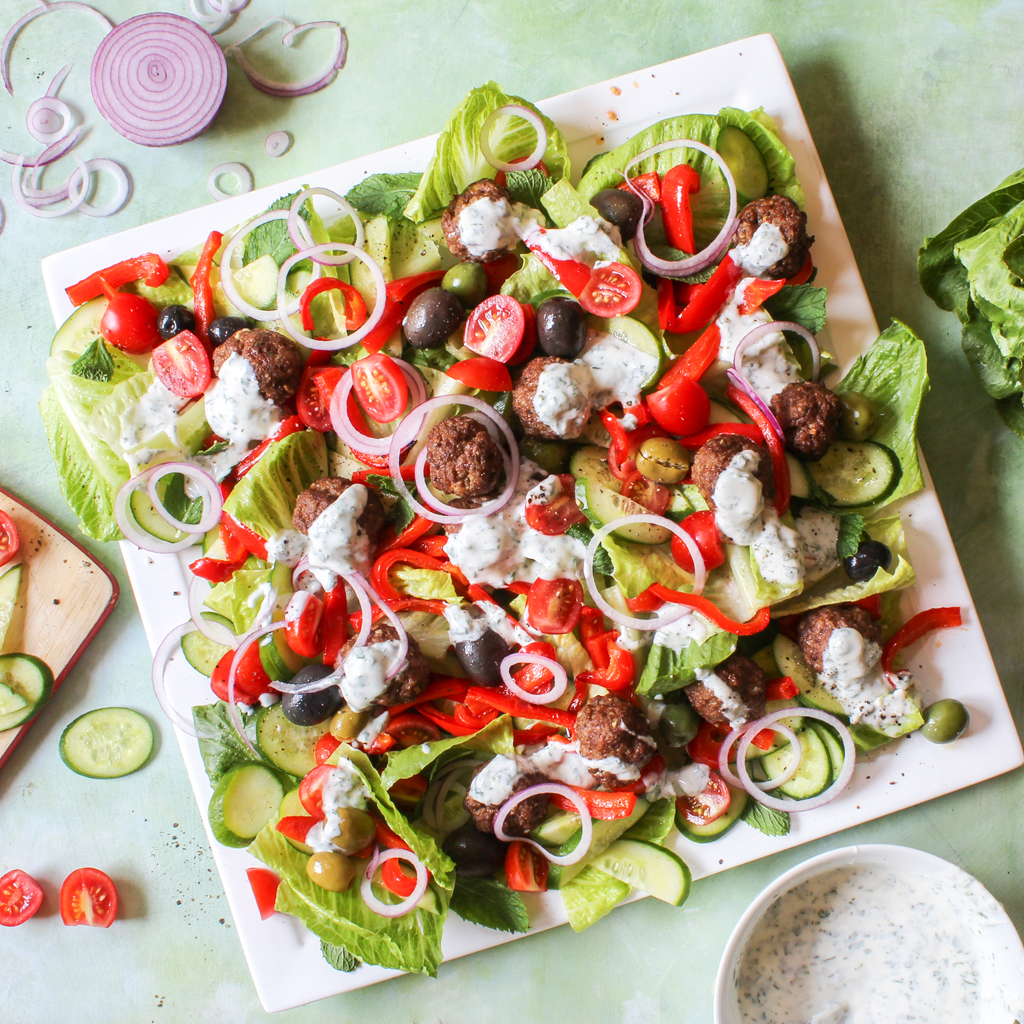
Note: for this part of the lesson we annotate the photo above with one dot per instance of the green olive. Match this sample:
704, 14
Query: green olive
945, 721
331, 871
859, 418
678, 724
356, 829
549, 455
663, 460
348, 724
467, 282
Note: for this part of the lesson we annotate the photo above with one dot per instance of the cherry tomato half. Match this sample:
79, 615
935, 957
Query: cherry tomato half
682, 408
495, 328
20, 898
708, 805
702, 528
303, 631
129, 323
8, 538
555, 606
182, 365
264, 885
411, 730
653, 496
555, 517
313, 399
311, 790
525, 868
251, 681
483, 373
88, 897
380, 386
613, 290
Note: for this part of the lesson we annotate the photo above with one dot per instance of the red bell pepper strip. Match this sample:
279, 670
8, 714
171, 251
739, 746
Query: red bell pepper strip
296, 826
709, 300
289, 425
264, 884
573, 275
440, 689
403, 604
148, 267
756, 292
782, 688
511, 705
872, 605
398, 295
649, 184
764, 739
355, 307
696, 360
603, 806
202, 291
433, 545
325, 746
362, 476
780, 467
648, 601
666, 302
412, 532
334, 622
538, 734
676, 187
714, 429
388, 838
619, 670
803, 275
216, 570
466, 717
381, 581
620, 439
701, 604
249, 539
446, 722
914, 629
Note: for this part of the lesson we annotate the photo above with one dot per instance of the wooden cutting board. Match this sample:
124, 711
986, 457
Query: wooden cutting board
64, 598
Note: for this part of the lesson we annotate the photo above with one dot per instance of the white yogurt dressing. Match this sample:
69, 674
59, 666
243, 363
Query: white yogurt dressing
562, 399
494, 783
343, 787
778, 552
733, 706
690, 780
463, 627
337, 543
587, 240
618, 370
819, 536
489, 224
739, 499
287, 547
561, 762
155, 413
236, 410
765, 248
363, 669
677, 635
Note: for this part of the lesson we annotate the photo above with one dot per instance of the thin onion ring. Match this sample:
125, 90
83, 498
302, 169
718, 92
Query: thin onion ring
516, 110
558, 684
364, 599
791, 769
586, 824
48, 155
247, 642
54, 106
739, 381
163, 655
434, 797
19, 196
346, 206
241, 173
213, 503
410, 902
120, 176
277, 144
215, 631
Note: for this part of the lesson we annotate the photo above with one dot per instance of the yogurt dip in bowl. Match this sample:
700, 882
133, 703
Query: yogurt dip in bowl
872, 935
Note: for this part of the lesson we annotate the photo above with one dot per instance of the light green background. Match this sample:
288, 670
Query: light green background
916, 110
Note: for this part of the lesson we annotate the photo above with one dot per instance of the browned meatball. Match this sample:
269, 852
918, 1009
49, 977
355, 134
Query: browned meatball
817, 625
410, 682
464, 459
523, 818
322, 493
809, 416
523, 395
275, 359
485, 188
608, 726
744, 677
792, 224
713, 458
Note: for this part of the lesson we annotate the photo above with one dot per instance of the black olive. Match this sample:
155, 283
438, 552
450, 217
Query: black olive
311, 708
433, 316
173, 320
476, 854
621, 208
482, 657
561, 327
224, 326
871, 555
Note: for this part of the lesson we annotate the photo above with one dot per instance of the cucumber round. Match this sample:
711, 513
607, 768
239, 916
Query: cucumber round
80, 329
651, 869
557, 829
790, 660
278, 659
716, 829
107, 743
833, 744
148, 519
744, 159
245, 799
26, 683
10, 582
201, 652
813, 776
288, 746
856, 474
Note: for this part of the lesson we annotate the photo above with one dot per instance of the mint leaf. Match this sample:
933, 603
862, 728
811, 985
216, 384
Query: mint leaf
602, 560
766, 819
94, 363
219, 744
215, 449
802, 303
399, 511
273, 236
491, 903
177, 502
527, 186
851, 532
339, 957
386, 194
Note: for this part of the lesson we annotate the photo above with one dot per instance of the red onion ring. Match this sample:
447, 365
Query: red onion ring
558, 684
741, 382
284, 90
408, 428
699, 576
213, 503
791, 769
561, 790
159, 79
437, 793
123, 186
215, 631
277, 144
19, 196
241, 173
708, 255
299, 569
35, 119
518, 110
58, 80
410, 902
849, 762
313, 686
346, 206
219, 20
236, 718
774, 327
364, 599
347, 430
131, 529
163, 655
48, 155
419, 473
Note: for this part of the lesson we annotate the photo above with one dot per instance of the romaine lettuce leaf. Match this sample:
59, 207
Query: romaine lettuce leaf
637, 566
219, 744
105, 420
761, 130
591, 895
431, 584
667, 670
532, 282
231, 599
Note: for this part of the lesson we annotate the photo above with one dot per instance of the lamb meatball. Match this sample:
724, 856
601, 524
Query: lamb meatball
610, 727
809, 416
494, 778
747, 682
713, 458
322, 493
564, 400
817, 625
469, 245
410, 682
792, 224
275, 359
464, 459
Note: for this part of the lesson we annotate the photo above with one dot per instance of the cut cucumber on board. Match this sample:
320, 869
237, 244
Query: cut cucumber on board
10, 581
25, 686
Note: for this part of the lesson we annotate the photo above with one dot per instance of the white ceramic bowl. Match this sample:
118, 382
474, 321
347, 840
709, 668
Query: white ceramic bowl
1003, 966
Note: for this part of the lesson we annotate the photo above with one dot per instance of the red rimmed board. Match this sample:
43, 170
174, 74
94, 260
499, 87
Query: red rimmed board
64, 598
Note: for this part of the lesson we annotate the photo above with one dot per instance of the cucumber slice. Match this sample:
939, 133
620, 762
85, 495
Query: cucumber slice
257, 282
605, 833
856, 473
9, 584
814, 774
558, 829
245, 799
799, 485
80, 329
744, 159
201, 652
107, 743
291, 805
27, 683
278, 659
148, 519
651, 869
288, 746
633, 333
790, 660
716, 829
834, 746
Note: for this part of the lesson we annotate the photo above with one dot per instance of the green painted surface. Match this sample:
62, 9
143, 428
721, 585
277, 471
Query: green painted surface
915, 108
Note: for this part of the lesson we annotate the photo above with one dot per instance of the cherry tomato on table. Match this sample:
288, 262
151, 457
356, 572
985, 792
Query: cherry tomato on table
613, 290
8, 538
20, 898
555, 606
88, 897
495, 328
380, 386
182, 365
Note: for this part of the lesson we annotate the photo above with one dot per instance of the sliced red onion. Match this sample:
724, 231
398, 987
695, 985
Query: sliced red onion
45, 8
738, 380
558, 684
754, 728
277, 143
313, 686
347, 208
132, 531
408, 429
849, 762
159, 79
75, 203
708, 255
213, 503
410, 902
774, 327
164, 653
379, 284
215, 631
284, 90
437, 795
219, 20
241, 174
58, 80
236, 718
670, 615
48, 120
120, 176
48, 155
561, 790
517, 110
361, 591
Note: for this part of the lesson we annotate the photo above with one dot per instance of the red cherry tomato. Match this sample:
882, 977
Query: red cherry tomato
410, 730
88, 897
682, 408
380, 386
251, 681
525, 868
325, 746
20, 898
613, 290
264, 885
529, 342
653, 496
129, 323
495, 328
483, 373
8, 538
182, 365
555, 606
555, 517
313, 399
311, 790
702, 528
708, 805
303, 632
